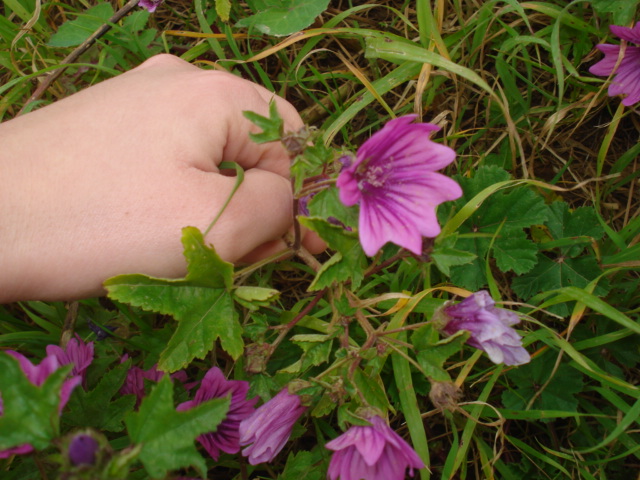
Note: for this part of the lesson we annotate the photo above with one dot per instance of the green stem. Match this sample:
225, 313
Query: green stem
239, 180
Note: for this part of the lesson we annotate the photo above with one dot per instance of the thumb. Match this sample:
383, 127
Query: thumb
259, 213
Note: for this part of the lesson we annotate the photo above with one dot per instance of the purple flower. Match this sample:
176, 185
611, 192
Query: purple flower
627, 73
37, 374
134, 383
374, 452
269, 428
83, 449
394, 179
226, 438
490, 328
150, 5
76, 352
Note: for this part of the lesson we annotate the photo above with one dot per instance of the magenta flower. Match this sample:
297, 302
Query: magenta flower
269, 428
150, 5
490, 328
627, 74
76, 352
372, 452
226, 437
394, 179
37, 374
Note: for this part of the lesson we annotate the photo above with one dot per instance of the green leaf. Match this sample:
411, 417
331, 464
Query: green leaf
554, 273
272, 126
372, 389
316, 348
283, 17
167, 436
303, 465
431, 353
623, 10
444, 256
255, 297
74, 32
135, 22
515, 253
500, 219
30, 413
201, 302
527, 381
223, 8
103, 407
562, 267
313, 157
348, 263
326, 204
581, 222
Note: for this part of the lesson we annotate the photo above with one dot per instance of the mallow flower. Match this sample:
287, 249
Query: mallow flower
393, 178
37, 374
267, 430
76, 352
226, 438
372, 452
490, 328
627, 74
150, 5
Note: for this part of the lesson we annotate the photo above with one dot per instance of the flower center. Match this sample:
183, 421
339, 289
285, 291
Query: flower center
372, 177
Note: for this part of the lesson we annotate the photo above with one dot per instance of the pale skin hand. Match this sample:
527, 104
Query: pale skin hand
102, 183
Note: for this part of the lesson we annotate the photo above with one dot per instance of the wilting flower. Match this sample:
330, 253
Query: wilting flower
134, 383
627, 73
269, 428
150, 5
83, 449
76, 352
372, 452
490, 328
394, 179
37, 375
226, 438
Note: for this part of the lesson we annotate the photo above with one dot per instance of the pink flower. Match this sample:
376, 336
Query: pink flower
627, 75
226, 437
373, 452
37, 374
76, 352
150, 5
490, 328
269, 428
394, 179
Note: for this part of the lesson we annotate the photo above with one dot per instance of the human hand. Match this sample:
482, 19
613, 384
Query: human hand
102, 182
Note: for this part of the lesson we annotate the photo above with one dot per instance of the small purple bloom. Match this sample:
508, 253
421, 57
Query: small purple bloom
83, 449
394, 179
373, 452
37, 374
490, 328
76, 352
150, 5
627, 75
226, 437
269, 428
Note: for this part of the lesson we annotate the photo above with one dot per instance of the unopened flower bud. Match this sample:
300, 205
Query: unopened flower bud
445, 395
83, 449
